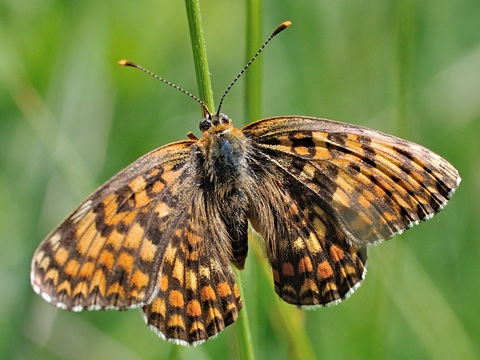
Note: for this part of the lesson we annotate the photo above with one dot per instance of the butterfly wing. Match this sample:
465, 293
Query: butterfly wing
197, 296
345, 186
105, 254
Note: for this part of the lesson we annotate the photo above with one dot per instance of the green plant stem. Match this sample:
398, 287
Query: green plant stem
199, 49
253, 87
205, 89
244, 337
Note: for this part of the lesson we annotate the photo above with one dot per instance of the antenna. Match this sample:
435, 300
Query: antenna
132, 64
279, 29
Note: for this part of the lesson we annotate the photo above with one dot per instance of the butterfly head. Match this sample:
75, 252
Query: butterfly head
216, 123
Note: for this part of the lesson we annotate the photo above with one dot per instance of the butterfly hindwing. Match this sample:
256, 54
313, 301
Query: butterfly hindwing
197, 296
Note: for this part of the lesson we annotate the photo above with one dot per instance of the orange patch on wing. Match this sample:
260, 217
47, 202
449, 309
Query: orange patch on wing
157, 187
116, 289
305, 265
148, 250
61, 256
231, 306
107, 259
309, 285
330, 286
52, 274
370, 196
204, 272
134, 294
379, 188
138, 184
110, 206
162, 209
224, 289
287, 269
72, 267
175, 299
196, 326
191, 281
85, 223
194, 308
318, 223
170, 253
130, 217
134, 236
301, 150
141, 199
313, 243
176, 321
193, 255
208, 293
236, 291
86, 232
153, 172
349, 270
336, 253
65, 286
139, 279
98, 280
193, 239
213, 313
86, 270
387, 217
81, 288
164, 283
125, 261
321, 150
159, 306
96, 247
115, 239
178, 271
324, 270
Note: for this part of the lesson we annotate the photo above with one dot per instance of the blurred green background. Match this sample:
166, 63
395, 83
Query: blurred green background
71, 118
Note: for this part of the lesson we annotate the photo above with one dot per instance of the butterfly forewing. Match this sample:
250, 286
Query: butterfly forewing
372, 184
105, 254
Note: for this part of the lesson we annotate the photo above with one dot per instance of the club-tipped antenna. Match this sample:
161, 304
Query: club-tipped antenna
132, 64
279, 29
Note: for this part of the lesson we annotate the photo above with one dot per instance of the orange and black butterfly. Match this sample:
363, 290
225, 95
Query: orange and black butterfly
162, 233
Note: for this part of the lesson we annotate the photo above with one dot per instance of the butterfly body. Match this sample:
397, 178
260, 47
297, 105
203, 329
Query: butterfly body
162, 233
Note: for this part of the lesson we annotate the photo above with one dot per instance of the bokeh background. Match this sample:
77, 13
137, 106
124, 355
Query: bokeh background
70, 118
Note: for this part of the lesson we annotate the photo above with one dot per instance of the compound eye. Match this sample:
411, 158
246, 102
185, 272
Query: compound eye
205, 124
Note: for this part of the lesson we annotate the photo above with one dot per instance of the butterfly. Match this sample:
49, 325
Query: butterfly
162, 233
